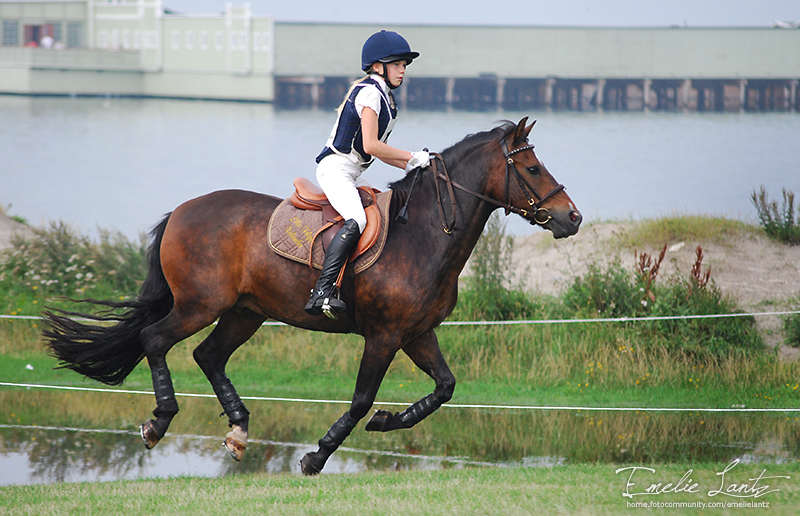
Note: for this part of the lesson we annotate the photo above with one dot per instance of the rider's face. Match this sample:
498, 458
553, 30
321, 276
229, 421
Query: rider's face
395, 71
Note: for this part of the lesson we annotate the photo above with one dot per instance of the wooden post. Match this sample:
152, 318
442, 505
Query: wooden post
600, 94
501, 85
548, 92
683, 97
315, 81
646, 84
742, 95
448, 91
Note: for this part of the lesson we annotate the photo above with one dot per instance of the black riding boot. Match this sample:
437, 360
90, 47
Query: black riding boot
322, 298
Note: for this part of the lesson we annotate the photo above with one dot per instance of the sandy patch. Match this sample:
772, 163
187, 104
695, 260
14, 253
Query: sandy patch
762, 275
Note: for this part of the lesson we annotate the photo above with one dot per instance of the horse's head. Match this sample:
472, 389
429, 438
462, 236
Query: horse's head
527, 187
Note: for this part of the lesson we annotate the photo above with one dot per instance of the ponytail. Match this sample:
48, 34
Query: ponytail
349, 91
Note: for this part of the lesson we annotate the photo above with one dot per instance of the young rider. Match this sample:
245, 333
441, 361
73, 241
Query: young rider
365, 120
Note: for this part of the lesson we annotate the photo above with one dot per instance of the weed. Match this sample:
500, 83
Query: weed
491, 291
791, 325
57, 262
778, 223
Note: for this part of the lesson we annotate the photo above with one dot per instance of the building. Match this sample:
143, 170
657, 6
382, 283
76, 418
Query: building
137, 48
134, 48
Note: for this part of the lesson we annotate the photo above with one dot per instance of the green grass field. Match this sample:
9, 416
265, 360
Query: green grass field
645, 365
578, 489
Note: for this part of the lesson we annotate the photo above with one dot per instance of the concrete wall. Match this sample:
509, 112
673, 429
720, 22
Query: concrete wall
540, 52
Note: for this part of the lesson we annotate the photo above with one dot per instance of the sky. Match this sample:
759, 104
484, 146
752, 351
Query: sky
598, 13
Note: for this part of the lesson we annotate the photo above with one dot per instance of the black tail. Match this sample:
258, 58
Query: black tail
106, 353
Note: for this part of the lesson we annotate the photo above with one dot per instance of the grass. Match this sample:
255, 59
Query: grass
574, 489
778, 223
654, 233
578, 364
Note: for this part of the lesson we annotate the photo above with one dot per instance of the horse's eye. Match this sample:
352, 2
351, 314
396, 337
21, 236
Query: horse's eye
534, 170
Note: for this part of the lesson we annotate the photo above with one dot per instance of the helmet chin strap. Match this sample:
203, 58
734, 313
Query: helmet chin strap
385, 75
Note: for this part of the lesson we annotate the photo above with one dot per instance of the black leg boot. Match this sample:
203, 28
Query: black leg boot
322, 299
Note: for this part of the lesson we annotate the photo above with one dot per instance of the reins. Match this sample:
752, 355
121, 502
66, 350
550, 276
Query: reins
527, 189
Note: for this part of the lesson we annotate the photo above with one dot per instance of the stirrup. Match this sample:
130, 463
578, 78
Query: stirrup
332, 307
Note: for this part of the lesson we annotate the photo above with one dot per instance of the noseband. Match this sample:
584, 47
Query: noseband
539, 215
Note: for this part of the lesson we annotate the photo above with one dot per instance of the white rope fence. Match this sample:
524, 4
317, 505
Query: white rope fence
457, 405
404, 404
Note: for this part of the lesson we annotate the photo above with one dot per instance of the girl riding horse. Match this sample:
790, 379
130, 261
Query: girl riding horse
366, 118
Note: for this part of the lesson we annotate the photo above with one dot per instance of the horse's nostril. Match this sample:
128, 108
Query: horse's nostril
574, 216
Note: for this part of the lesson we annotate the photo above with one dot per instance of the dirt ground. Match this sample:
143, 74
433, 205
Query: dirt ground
8, 227
760, 274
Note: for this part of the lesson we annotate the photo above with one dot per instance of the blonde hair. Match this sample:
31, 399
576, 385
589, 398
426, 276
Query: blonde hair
349, 91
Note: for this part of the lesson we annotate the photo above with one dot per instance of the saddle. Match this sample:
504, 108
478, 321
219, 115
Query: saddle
303, 225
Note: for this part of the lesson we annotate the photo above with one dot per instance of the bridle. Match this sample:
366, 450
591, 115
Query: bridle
538, 214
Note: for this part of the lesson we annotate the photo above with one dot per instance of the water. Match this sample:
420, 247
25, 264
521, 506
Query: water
53, 436
120, 164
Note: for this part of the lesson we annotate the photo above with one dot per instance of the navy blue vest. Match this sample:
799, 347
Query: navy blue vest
348, 127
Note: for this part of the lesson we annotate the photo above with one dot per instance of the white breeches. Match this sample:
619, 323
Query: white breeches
339, 177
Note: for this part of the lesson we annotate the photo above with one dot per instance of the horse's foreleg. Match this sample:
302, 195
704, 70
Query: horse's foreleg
232, 330
425, 353
374, 363
157, 339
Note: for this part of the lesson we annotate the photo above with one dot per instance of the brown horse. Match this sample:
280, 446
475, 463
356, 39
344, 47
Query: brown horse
209, 261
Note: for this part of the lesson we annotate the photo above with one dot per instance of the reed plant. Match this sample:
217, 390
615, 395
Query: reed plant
791, 325
57, 263
493, 288
778, 222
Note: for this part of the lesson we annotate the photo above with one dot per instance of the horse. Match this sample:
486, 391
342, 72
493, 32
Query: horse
209, 261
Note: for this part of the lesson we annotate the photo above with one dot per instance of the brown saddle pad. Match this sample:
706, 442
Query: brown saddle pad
295, 233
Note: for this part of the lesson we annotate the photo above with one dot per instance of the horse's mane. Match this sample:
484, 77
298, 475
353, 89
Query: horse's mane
455, 153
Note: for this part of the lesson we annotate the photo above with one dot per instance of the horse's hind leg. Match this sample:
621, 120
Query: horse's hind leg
427, 356
232, 330
157, 339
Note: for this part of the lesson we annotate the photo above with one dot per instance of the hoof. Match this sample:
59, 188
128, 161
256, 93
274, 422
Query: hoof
379, 421
308, 465
149, 434
236, 442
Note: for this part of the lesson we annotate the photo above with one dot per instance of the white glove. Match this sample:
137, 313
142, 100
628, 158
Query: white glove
418, 159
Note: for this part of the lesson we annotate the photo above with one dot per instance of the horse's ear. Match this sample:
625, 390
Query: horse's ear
521, 132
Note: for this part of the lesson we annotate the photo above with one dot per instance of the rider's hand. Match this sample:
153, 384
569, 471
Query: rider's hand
418, 159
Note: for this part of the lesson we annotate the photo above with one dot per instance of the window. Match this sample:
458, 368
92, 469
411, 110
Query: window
189, 39
56, 31
126, 39
265, 42
137, 39
151, 39
256, 41
176, 39
234, 40
102, 39
74, 35
10, 33
242, 40
218, 43
204, 40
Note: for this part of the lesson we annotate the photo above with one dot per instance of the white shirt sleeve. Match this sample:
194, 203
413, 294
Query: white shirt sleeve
370, 97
